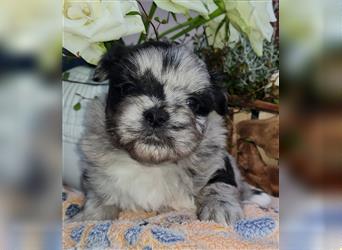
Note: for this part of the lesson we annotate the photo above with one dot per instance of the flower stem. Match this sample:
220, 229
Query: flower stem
177, 27
192, 24
183, 32
148, 22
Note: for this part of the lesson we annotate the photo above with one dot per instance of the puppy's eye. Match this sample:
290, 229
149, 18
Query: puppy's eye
200, 105
193, 103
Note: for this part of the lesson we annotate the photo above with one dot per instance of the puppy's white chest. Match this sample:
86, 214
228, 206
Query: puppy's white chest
133, 186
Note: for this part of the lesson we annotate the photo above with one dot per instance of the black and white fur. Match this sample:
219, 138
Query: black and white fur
157, 140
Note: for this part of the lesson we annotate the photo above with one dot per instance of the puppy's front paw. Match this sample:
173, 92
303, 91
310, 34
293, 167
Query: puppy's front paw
93, 211
219, 202
221, 212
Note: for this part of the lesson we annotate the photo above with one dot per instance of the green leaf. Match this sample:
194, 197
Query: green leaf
206, 6
77, 106
163, 21
218, 28
220, 4
65, 76
227, 31
133, 13
174, 17
108, 44
191, 24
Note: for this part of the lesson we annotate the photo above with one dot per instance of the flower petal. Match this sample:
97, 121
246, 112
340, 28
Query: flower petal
196, 5
253, 19
132, 25
87, 24
91, 52
169, 5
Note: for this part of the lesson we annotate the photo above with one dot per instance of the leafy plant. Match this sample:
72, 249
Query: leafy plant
244, 73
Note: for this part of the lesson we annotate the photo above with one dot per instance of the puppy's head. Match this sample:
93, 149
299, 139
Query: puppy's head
159, 99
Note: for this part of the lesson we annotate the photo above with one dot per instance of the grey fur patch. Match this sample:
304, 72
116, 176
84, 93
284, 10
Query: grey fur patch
219, 202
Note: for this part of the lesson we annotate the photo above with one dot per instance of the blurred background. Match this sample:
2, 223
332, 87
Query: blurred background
311, 124
30, 124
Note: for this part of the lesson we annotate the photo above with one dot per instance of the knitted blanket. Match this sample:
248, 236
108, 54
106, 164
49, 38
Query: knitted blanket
170, 230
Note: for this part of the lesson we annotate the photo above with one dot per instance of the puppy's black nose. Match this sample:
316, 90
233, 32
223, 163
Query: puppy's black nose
156, 117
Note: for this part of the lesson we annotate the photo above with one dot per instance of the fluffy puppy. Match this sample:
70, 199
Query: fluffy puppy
156, 141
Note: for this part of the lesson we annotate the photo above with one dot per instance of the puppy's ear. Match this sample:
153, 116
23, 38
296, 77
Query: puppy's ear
110, 60
219, 95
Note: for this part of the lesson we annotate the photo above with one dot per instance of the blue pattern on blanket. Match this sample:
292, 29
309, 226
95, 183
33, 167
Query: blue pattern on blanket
98, 236
166, 230
76, 233
132, 234
255, 228
165, 235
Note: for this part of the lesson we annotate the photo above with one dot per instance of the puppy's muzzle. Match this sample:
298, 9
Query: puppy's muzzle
156, 117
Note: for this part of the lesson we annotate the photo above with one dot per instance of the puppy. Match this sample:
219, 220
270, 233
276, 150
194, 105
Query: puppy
157, 140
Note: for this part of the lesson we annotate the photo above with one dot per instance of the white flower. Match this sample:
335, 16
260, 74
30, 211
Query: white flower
249, 17
253, 19
87, 24
183, 6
